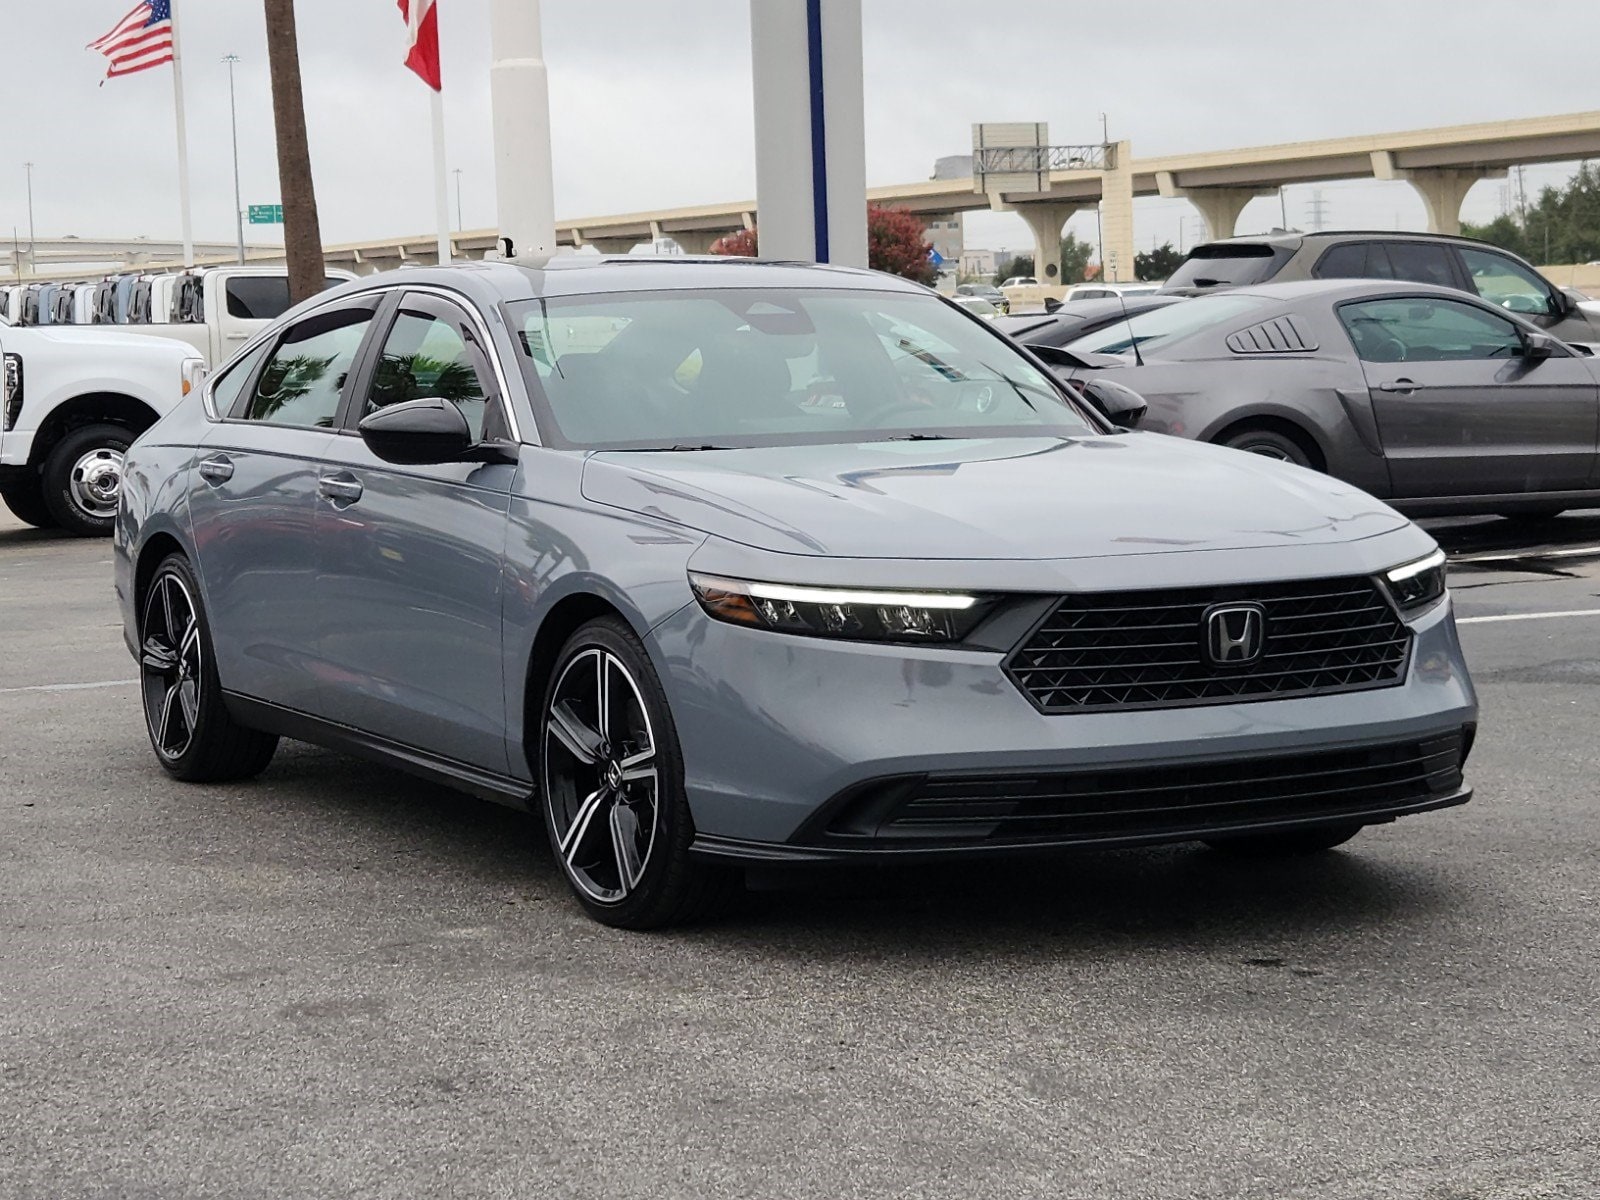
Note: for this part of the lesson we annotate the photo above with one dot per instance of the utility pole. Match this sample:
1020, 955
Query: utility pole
233, 113
460, 223
1283, 208
32, 253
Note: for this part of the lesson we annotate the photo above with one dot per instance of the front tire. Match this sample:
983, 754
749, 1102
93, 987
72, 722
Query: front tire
83, 479
190, 730
1292, 843
611, 774
26, 502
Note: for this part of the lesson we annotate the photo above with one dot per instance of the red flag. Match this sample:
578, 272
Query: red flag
422, 32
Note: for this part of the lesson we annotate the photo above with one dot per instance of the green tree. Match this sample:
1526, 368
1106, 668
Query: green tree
1019, 264
1158, 264
1561, 226
1075, 257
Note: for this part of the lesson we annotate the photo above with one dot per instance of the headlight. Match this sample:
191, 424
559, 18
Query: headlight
859, 615
194, 374
10, 391
1416, 585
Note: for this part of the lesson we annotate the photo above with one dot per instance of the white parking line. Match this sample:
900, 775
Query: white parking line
1539, 616
67, 687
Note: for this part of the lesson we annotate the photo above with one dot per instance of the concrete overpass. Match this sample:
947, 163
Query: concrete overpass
44, 255
1441, 164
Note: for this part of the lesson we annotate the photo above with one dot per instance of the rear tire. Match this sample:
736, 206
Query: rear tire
26, 502
83, 479
1292, 843
1269, 443
611, 778
191, 732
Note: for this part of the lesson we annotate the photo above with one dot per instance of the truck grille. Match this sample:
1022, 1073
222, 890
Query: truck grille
1148, 649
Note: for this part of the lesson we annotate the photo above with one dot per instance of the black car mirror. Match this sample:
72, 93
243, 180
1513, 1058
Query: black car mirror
1119, 404
1538, 345
415, 432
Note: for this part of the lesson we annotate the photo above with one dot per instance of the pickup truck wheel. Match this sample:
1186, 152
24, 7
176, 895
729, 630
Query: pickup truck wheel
83, 478
26, 502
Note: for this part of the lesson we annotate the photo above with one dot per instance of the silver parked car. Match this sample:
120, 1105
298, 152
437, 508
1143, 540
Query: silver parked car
1435, 401
712, 563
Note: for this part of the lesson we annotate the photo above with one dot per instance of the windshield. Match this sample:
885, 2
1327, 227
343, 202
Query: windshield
760, 367
1228, 264
1164, 326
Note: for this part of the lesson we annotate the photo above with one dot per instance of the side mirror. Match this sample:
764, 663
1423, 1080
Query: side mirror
1539, 345
415, 432
1119, 404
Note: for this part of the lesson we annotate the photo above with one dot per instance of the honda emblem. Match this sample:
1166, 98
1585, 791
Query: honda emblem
1234, 634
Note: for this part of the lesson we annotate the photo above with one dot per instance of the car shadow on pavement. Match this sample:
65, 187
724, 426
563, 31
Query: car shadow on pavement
1184, 896
21, 535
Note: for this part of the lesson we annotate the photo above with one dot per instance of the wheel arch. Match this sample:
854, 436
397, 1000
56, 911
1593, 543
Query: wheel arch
90, 408
1296, 431
157, 546
564, 616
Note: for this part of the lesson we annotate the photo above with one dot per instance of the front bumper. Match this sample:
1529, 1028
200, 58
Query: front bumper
806, 749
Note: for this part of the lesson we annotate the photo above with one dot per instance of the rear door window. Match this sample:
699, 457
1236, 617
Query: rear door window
1354, 260
262, 297
1423, 262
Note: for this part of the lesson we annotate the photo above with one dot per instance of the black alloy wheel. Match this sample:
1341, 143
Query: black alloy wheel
612, 779
190, 729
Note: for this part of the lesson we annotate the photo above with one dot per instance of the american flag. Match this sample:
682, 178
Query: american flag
141, 40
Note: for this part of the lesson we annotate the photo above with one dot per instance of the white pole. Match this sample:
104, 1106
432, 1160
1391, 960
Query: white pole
441, 186
183, 147
233, 112
520, 92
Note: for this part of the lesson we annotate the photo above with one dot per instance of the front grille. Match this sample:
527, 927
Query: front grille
1145, 649
1149, 801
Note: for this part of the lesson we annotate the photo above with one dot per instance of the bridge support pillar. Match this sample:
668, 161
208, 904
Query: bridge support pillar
613, 245
1442, 188
1046, 220
1116, 216
1219, 207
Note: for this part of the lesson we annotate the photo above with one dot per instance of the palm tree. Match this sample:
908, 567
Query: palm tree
302, 233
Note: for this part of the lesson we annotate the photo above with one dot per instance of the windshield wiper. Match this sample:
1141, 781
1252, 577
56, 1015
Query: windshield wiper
921, 437
673, 449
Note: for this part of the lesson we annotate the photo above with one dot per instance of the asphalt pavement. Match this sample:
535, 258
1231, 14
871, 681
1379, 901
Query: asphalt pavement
336, 981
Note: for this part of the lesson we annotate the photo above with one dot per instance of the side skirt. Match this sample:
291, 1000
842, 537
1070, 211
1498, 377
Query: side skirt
302, 727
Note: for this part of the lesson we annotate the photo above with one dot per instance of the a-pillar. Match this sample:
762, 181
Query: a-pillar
1116, 215
1442, 188
1046, 219
1219, 207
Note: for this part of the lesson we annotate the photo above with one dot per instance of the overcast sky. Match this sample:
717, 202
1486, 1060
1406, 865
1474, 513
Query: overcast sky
652, 101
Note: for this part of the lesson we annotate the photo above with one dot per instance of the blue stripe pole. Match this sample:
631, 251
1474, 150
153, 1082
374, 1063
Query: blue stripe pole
819, 139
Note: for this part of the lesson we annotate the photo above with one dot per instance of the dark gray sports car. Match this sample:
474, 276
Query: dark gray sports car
1435, 401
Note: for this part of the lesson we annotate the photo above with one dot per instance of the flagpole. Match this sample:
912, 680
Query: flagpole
441, 187
183, 146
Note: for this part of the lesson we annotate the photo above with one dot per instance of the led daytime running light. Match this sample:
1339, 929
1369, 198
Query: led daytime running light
1412, 570
813, 595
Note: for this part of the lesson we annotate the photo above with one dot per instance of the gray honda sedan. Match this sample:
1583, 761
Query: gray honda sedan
720, 562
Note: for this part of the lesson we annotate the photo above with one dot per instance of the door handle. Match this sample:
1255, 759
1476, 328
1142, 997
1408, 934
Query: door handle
216, 469
1403, 386
341, 488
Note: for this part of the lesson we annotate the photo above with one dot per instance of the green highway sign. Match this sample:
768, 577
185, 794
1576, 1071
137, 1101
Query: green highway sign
266, 214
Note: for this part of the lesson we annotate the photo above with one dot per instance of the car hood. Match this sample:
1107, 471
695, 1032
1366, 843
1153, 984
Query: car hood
92, 337
1014, 498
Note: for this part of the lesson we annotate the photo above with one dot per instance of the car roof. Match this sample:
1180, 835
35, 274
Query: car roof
1297, 237
588, 274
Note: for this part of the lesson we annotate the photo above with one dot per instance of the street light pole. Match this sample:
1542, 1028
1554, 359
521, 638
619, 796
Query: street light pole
32, 252
233, 113
460, 223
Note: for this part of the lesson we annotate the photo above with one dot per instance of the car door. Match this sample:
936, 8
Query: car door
1461, 410
410, 577
252, 501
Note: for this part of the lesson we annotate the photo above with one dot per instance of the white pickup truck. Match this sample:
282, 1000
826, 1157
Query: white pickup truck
216, 310
72, 399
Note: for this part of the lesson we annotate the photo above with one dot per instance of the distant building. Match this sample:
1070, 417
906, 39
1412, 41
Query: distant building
952, 166
943, 233
977, 262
